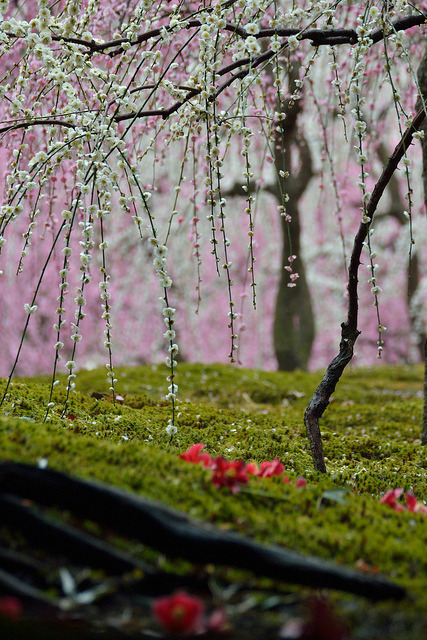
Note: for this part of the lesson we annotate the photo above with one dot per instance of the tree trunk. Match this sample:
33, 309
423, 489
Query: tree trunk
294, 327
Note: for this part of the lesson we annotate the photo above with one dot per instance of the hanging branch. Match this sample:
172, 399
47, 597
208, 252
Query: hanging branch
349, 330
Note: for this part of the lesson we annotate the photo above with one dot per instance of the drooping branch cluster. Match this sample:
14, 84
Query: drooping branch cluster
317, 37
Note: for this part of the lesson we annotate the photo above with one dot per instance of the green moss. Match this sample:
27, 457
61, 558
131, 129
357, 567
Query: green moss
371, 436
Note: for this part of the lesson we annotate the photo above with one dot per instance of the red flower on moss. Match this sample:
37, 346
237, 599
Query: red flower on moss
390, 497
233, 474
229, 474
252, 468
414, 505
179, 613
268, 469
193, 455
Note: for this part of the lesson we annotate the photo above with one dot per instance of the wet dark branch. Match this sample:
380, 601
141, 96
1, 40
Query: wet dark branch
80, 546
31, 123
317, 37
349, 330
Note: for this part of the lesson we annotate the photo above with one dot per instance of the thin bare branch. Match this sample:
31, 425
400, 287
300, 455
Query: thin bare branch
349, 330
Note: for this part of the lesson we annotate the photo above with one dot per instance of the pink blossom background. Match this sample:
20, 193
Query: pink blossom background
202, 331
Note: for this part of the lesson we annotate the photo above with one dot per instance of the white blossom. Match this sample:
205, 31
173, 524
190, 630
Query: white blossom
30, 308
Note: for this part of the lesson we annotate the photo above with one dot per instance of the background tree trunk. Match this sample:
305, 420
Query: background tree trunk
294, 326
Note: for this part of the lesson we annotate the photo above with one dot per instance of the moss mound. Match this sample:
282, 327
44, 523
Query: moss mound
371, 437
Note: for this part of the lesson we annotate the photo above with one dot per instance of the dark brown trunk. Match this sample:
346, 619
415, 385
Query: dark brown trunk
294, 326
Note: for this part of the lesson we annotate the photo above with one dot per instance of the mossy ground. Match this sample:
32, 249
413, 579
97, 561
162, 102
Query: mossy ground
371, 435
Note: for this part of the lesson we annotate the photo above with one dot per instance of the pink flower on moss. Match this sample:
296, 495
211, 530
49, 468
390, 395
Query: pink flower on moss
301, 482
268, 469
390, 497
193, 455
179, 613
229, 474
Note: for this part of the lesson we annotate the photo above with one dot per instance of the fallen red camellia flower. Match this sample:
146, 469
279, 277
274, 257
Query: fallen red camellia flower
301, 482
268, 469
229, 474
252, 468
390, 497
179, 613
414, 505
232, 474
193, 455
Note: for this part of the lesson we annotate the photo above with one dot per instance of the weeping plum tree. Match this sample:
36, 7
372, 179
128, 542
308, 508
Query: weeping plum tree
122, 123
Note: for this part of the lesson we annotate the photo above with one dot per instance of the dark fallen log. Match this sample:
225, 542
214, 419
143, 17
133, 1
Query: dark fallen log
79, 545
67, 543
176, 535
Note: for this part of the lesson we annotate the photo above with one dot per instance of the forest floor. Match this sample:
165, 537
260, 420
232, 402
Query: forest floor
371, 433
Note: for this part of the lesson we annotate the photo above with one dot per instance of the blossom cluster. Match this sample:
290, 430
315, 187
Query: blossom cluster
234, 473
